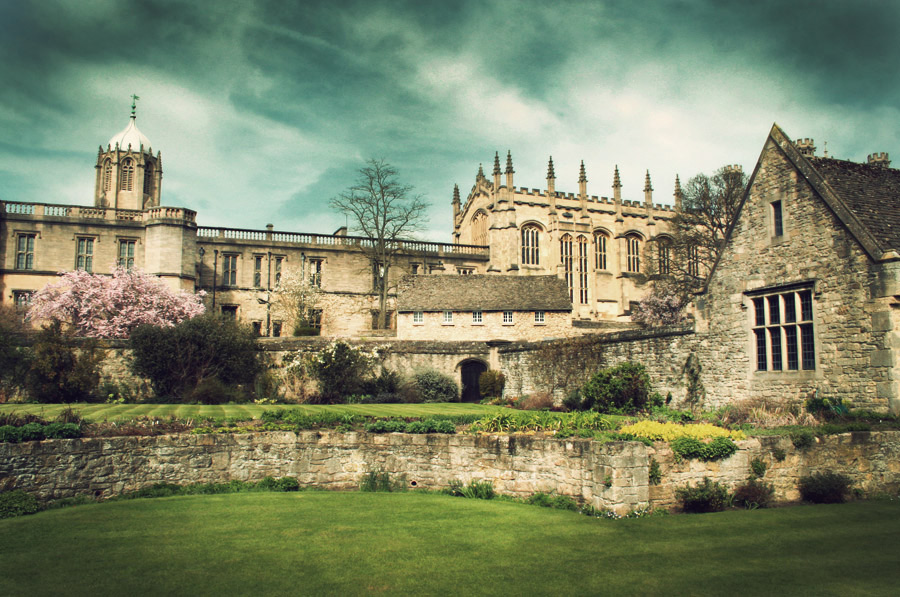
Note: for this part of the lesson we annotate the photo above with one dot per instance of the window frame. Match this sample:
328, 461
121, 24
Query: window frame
126, 180
601, 250
258, 270
418, 318
633, 253
25, 255
229, 269
84, 253
126, 261
478, 317
776, 211
315, 271
508, 318
782, 323
447, 318
567, 260
531, 244
540, 317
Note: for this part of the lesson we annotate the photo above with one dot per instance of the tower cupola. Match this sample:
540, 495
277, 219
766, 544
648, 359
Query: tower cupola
129, 176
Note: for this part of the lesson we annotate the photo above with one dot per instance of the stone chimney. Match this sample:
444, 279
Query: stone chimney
880, 159
806, 147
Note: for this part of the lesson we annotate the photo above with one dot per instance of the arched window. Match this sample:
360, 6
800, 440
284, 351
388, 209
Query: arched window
127, 179
600, 242
148, 179
565, 254
633, 255
583, 270
480, 228
664, 250
531, 245
107, 174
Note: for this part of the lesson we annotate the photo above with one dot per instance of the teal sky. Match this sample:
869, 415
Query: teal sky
265, 110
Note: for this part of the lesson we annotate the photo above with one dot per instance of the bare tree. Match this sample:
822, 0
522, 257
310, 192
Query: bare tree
385, 211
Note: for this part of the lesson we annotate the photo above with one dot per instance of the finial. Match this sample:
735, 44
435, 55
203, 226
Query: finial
509, 168
134, 99
582, 176
456, 193
617, 183
647, 186
550, 171
496, 162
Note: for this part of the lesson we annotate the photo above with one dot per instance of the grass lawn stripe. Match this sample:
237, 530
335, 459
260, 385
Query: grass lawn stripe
358, 543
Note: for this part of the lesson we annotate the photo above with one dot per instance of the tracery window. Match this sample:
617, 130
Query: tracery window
600, 242
531, 248
633, 254
127, 180
664, 249
480, 228
693, 261
582, 270
565, 254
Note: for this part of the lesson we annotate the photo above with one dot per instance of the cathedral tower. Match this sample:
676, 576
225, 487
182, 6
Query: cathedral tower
129, 176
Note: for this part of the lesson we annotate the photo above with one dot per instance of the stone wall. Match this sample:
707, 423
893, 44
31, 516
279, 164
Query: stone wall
606, 475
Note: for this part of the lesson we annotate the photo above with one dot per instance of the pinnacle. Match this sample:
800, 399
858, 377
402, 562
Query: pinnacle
496, 162
550, 172
509, 167
617, 183
647, 186
582, 175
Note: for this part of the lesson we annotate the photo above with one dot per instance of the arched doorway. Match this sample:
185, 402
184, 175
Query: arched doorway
469, 372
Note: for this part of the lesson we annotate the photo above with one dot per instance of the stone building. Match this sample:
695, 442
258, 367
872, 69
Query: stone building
238, 268
605, 249
804, 298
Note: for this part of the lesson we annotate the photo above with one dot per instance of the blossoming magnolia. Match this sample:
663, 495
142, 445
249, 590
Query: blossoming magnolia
100, 306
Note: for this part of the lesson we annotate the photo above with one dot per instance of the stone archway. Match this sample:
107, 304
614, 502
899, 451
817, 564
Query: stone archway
469, 372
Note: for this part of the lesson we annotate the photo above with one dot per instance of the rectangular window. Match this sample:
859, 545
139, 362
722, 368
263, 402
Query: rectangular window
257, 270
229, 271
84, 254
25, 251
777, 221
279, 260
257, 327
539, 317
22, 299
477, 317
315, 272
229, 311
448, 318
126, 254
465, 271
418, 317
783, 334
415, 269
314, 319
507, 317
276, 329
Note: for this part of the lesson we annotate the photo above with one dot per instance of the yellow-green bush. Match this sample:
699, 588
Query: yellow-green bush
656, 431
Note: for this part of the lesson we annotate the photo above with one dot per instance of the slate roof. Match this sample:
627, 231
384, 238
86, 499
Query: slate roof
483, 293
871, 192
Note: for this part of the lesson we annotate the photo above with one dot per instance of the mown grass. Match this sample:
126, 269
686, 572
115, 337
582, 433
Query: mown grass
411, 543
124, 412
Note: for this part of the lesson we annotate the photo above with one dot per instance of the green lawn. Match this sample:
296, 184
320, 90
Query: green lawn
114, 412
315, 543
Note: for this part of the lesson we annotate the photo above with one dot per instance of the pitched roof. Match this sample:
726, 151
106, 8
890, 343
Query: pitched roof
483, 293
871, 192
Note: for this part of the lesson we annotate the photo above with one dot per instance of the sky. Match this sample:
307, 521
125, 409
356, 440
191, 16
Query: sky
264, 110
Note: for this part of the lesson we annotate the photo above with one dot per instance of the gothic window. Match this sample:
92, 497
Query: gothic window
229, 270
25, 251
783, 331
600, 242
126, 254
84, 254
127, 178
693, 261
565, 253
148, 179
480, 228
107, 174
664, 250
531, 247
583, 270
633, 253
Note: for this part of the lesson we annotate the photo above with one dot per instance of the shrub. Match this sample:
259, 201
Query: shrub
825, 488
655, 474
802, 438
435, 386
657, 431
481, 490
17, 503
573, 400
379, 481
177, 359
758, 466
557, 502
9, 434
536, 401
62, 431
624, 388
31, 432
212, 391
56, 371
341, 370
708, 496
491, 384
691, 447
754, 494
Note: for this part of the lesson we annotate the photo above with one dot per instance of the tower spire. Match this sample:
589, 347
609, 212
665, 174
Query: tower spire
678, 194
509, 170
551, 178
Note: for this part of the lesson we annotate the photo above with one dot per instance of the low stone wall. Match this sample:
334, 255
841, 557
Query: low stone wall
612, 475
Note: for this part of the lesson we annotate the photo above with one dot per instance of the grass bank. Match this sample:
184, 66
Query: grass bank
412, 543
124, 412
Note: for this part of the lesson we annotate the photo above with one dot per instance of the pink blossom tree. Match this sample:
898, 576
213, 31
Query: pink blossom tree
98, 306
663, 305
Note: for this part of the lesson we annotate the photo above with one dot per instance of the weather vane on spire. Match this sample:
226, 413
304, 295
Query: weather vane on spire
134, 99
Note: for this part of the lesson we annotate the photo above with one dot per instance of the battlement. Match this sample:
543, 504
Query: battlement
806, 146
880, 159
47, 210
